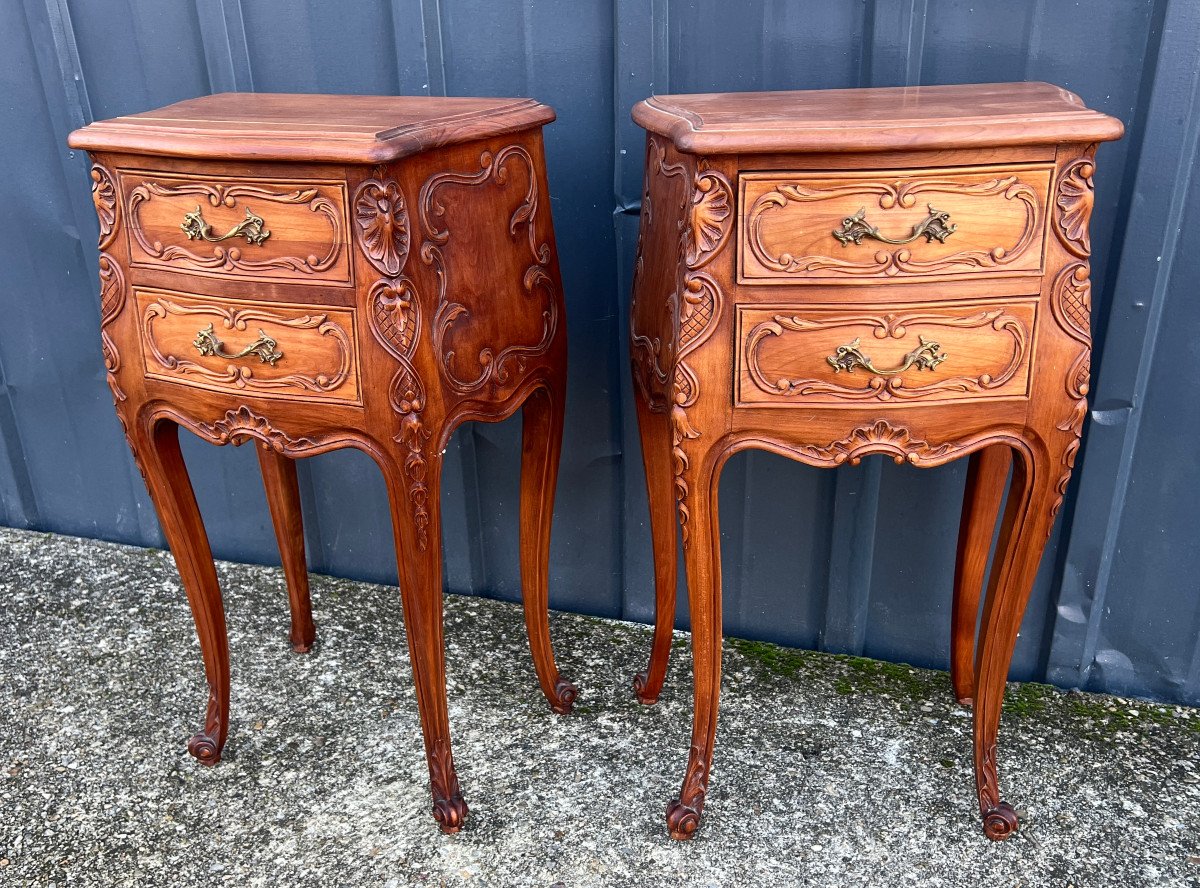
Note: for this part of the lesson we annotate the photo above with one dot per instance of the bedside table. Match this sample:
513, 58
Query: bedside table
305, 271
828, 275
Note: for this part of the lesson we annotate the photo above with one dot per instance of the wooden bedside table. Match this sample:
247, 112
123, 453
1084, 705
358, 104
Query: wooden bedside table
305, 271
833, 274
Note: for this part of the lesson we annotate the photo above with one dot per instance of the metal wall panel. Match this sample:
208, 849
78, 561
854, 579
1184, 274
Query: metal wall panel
858, 560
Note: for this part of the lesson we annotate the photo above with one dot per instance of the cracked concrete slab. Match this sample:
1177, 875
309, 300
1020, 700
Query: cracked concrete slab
828, 771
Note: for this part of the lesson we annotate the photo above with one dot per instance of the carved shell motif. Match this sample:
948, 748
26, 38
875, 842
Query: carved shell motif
710, 219
382, 219
1075, 199
104, 196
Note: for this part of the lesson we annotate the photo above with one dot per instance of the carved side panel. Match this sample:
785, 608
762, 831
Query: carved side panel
475, 354
394, 314
1071, 298
653, 311
113, 291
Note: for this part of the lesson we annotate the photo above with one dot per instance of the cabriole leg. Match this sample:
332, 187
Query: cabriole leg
414, 492
283, 499
540, 448
1028, 517
702, 560
156, 445
987, 473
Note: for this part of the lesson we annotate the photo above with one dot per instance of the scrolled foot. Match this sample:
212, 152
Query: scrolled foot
450, 813
683, 820
205, 749
301, 646
1000, 822
641, 690
565, 694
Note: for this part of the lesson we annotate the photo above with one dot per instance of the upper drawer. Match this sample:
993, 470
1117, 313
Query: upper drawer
251, 229
850, 227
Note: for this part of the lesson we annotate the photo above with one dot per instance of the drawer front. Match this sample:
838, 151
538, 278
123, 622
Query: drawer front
268, 230
300, 352
790, 355
851, 227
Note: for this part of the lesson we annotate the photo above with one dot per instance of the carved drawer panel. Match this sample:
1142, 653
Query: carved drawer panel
302, 352
790, 355
848, 227
253, 229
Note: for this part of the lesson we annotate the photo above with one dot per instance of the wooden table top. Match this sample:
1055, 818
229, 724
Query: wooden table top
334, 128
881, 119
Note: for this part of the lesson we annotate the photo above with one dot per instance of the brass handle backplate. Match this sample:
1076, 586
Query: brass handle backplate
251, 228
936, 226
925, 357
264, 348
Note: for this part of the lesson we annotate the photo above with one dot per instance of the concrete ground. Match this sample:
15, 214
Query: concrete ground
829, 771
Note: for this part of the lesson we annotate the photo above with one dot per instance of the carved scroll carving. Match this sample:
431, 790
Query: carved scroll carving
1071, 301
382, 219
683, 814
904, 194
884, 388
242, 376
880, 437
394, 315
395, 319
494, 364
112, 300
239, 425
232, 258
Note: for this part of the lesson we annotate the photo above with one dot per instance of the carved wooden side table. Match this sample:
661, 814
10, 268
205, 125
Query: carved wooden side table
828, 275
316, 272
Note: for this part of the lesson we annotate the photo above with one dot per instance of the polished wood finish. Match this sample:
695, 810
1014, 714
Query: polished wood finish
760, 320
363, 317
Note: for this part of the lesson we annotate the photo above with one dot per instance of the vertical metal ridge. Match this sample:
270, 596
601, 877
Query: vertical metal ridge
1173, 95
226, 51
435, 59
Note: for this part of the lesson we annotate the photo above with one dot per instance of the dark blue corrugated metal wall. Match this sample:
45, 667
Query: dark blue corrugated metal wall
856, 560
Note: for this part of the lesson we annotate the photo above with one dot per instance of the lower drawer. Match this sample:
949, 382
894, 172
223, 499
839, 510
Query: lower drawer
275, 350
792, 355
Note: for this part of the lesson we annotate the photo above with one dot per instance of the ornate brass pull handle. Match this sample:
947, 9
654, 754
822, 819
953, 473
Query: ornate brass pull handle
264, 347
251, 228
935, 226
925, 357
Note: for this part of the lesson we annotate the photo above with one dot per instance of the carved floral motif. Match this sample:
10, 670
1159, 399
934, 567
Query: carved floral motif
382, 219
395, 321
449, 808
494, 364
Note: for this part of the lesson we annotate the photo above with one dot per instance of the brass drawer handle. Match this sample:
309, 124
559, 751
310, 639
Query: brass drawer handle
925, 357
251, 228
264, 347
936, 225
